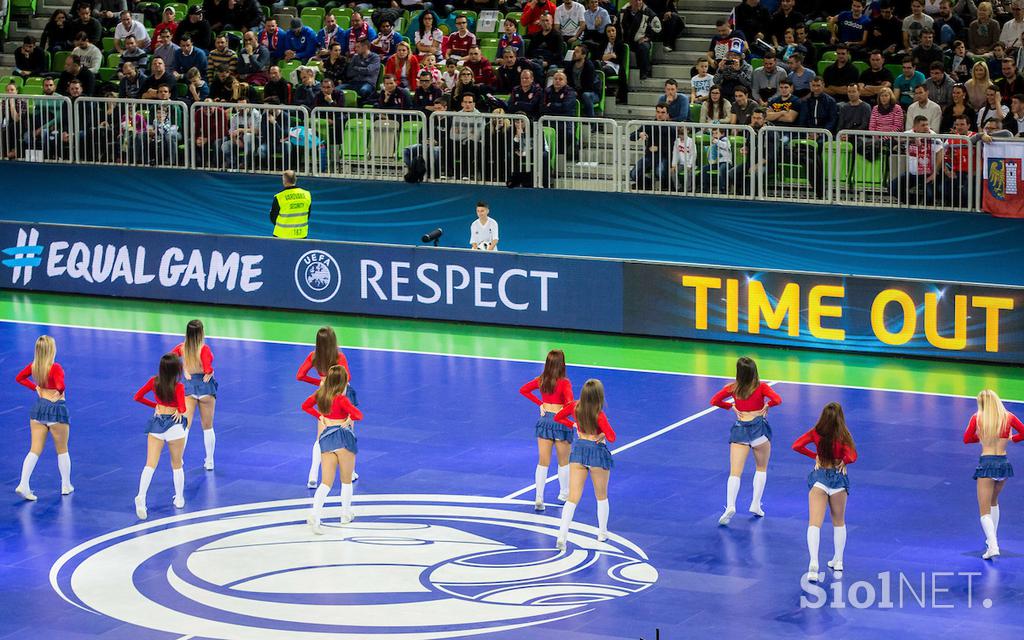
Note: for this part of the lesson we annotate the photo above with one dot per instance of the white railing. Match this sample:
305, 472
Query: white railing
365, 144
578, 153
143, 133
250, 138
37, 129
480, 148
792, 164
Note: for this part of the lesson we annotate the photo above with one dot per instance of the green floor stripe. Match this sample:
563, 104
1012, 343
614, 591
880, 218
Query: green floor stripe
674, 356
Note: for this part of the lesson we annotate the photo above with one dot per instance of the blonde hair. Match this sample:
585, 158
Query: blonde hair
46, 351
987, 79
193, 346
991, 415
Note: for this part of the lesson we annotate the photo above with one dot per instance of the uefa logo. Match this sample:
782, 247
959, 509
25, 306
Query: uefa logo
410, 566
317, 276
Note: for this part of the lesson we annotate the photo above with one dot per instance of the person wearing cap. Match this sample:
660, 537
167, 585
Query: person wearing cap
168, 23
188, 56
299, 42
272, 37
197, 27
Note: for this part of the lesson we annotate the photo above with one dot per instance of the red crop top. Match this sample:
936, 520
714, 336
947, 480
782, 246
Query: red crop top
341, 408
567, 416
561, 395
841, 451
205, 357
54, 379
754, 403
307, 366
971, 435
178, 402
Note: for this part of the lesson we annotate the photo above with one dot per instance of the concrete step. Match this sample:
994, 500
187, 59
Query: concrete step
676, 71
658, 84
7, 60
630, 111
702, 16
704, 28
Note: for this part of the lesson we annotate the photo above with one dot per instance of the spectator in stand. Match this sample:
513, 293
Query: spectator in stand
743, 107
334, 64
939, 87
527, 98
168, 23
924, 156
995, 63
701, 83
450, 77
134, 54
560, 98
582, 79
885, 32
132, 82
466, 132
272, 37
922, 106
789, 47
819, 110
277, 87
678, 104
532, 12
130, 26
1010, 83
809, 52
958, 107
216, 12
716, 109
904, 84
158, 76
29, 59
887, 115
983, 34
948, 25
197, 27
854, 114
222, 88
784, 108
1012, 33
851, 27
254, 60
243, 15
510, 38
874, 78
75, 71
188, 56
299, 42
329, 96
483, 72
957, 167
392, 96
57, 33
764, 81
329, 34
197, 89
363, 70
91, 56
639, 26
732, 73
993, 130
684, 159
658, 142
425, 97
787, 17
994, 107
509, 71
569, 21
545, 48
386, 41
459, 43
915, 24
243, 132
725, 41
1014, 120
404, 66
927, 52
672, 25
166, 50
958, 63
87, 23
612, 56
839, 74
428, 37
221, 55
800, 75
595, 19
752, 20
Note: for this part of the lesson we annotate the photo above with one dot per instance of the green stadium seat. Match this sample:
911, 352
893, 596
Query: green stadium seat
351, 98
32, 90
113, 60
107, 74
313, 11
356, 140
695, 112
829, 56
6, 80
58, 60
107, 45
837, 160
408, 136
34, 81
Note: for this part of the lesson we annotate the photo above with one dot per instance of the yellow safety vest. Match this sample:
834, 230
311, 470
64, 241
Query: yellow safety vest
293, 215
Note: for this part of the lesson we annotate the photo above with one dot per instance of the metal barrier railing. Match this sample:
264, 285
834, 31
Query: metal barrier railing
365, 144
792, 164
250, 138
479, 148
132, 132
579, 153
36, 128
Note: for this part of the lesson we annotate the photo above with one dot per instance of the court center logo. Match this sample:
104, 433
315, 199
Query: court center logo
317, 276
411, 566
28, 253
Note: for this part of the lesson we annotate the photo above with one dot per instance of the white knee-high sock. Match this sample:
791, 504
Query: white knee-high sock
318, 500
989, 527
732, 490
760, 478
27, 467
563, 480
314, 467
602, 516
839, 536
179, 482
346, 497
813, 540
210, 440
540, 476
567, 512
144, 480
64, 465
994, 512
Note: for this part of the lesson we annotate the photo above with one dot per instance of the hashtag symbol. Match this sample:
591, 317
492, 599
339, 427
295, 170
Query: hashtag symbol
25, 255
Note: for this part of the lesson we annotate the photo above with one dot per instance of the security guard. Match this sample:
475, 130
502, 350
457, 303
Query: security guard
290, 211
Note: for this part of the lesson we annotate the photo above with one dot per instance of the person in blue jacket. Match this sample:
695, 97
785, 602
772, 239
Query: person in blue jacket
819, 110
299, 42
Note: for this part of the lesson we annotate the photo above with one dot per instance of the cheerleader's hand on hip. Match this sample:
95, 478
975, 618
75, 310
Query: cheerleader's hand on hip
208, 377
176, 416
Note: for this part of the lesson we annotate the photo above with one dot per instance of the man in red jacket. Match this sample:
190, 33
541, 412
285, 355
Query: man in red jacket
483, 72
532, 11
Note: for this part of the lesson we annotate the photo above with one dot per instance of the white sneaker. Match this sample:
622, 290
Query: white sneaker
537, 506
726, 517
66, 491
812, 573
757, 510
563, 497
835, 565
26, 493
178, 502
601, 537
314, 525
560, 544
312, 484
990, 553
355, 476
140, 508
347, 517
208, 465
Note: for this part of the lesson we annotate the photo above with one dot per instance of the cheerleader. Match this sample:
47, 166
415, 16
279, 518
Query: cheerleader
751, 399
168, 424
589, 455
555, 392
335, 414
49, 414
828, 483
200, 385
326, 355
991, 426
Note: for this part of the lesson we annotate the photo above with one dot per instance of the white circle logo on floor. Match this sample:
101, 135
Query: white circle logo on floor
410, 566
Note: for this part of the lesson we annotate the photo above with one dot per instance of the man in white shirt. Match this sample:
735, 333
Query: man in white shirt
128, 26
1013, 30
922, 106
570, 20
483, 233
